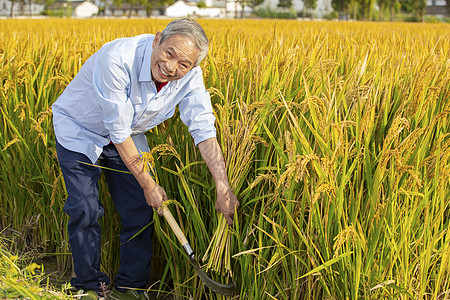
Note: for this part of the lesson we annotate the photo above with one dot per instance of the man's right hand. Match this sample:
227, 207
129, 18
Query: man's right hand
155, 196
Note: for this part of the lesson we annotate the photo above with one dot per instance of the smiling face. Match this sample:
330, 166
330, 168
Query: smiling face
172, 59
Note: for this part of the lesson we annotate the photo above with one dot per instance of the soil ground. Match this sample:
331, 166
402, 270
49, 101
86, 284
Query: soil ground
59, 279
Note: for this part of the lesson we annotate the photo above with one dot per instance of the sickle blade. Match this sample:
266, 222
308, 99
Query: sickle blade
219, 288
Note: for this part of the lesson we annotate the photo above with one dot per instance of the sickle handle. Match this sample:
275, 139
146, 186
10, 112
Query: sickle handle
177, 230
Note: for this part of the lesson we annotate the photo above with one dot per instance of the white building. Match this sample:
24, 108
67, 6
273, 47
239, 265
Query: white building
186, 9
85, 9
181, 9
77, 9
437, 8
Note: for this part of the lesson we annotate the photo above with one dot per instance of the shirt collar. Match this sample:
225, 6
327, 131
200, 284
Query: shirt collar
146, 72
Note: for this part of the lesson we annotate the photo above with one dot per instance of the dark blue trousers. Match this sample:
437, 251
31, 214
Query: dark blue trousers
84, 208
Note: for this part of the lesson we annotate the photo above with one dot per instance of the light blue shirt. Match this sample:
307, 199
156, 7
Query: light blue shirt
113, 97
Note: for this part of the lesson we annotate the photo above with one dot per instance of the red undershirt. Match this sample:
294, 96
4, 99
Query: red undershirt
159, 86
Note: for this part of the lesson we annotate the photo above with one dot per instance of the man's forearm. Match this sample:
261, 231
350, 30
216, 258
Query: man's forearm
154, 194
130, 156
226, 202
213, 157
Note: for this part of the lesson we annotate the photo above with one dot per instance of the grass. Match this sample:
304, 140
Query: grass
20, 278
336, 139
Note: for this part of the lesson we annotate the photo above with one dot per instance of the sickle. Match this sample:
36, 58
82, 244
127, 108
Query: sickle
219, 288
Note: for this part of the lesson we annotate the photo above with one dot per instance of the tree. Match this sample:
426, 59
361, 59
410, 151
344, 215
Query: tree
13, 2
148, 5
310, 6
249, 3
419, 9
133, 4
365, 8
243, 4
381, 4
342, 7
414, 6
152, 4
23, 4
102, 6
285, 4
407, 6
254, 3
354, 6
392, 5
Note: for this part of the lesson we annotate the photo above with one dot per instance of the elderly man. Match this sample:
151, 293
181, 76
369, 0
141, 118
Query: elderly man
126, 88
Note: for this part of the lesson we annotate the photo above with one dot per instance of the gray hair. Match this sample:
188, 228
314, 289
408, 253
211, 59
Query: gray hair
190, 29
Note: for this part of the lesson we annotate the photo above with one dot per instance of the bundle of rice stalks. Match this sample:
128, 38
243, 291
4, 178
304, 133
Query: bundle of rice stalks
239, 145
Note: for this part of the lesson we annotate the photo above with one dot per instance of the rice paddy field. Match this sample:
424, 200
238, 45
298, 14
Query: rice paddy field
336, 138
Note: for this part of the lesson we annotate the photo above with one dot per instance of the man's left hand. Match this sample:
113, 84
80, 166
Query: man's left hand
226, 203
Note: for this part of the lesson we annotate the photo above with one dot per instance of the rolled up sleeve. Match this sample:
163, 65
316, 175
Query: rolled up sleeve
111, 82
197, 113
